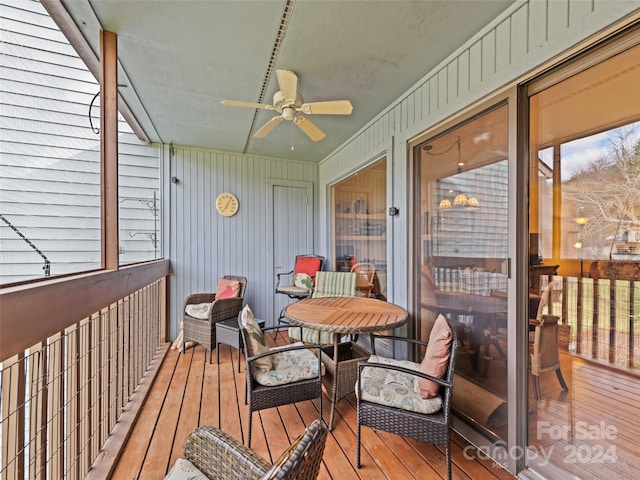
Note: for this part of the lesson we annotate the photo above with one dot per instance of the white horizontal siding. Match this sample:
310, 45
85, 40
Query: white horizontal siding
50, 157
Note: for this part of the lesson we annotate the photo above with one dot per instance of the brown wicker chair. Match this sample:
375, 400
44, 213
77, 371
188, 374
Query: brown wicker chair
260, 397
544, 351
431, 428
220, 456
203, 331
366, 273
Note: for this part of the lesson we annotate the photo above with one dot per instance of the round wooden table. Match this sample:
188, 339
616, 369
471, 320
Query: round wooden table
344, 316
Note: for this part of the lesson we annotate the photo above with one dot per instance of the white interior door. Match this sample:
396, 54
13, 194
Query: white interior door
292, 232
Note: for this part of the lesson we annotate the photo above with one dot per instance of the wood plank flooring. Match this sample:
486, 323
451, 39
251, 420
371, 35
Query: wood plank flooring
184, 396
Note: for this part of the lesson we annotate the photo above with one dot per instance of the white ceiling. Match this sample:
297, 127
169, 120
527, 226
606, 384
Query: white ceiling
179, 59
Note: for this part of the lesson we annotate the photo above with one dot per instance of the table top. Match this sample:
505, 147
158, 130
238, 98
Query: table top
345, 315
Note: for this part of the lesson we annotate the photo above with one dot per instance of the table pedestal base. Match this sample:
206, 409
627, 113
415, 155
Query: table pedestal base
340, 379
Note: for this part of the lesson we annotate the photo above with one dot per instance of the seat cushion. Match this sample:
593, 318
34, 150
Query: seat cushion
257, 342
395, 389
293, 290
289, 367
183, 469
436, 358
198, 310
227, 289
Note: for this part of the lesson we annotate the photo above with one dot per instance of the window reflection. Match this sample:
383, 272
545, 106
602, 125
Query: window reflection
463, 248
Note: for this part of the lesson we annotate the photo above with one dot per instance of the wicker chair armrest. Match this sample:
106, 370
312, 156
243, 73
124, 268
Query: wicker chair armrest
220, 456
406, 371
199, 298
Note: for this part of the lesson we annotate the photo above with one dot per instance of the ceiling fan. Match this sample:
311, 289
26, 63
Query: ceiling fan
289, 103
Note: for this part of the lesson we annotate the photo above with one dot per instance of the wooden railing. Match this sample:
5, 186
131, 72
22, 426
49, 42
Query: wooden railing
69, 395
604, 316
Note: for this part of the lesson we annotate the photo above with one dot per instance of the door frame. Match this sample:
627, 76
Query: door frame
278, 182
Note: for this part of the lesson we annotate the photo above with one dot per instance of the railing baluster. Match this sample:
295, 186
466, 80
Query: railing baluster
632, 317
55, 406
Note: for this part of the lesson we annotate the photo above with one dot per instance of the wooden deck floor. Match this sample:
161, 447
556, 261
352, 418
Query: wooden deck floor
184, 396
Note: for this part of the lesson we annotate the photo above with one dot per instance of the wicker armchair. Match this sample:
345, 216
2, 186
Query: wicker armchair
260, 397
220, 456
426, 427
203, 331
544, 351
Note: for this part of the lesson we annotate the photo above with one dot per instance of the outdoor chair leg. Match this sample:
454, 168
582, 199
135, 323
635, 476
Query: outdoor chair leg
536, 387
561, 380
448, 457
358, 446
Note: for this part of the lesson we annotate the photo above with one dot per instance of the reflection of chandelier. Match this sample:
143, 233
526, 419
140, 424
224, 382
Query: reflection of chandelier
445, 204
460, 201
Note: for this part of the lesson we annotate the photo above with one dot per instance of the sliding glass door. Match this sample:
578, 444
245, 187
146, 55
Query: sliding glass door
462, 186
584, 221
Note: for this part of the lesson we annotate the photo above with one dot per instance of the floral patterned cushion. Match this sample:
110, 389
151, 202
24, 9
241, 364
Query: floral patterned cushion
198, 310
303, 280
289, 367
395, 389
183, 469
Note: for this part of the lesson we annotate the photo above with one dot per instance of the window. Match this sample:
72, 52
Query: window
50, 161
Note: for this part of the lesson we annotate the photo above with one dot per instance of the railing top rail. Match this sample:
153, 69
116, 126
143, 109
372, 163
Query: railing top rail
33, 312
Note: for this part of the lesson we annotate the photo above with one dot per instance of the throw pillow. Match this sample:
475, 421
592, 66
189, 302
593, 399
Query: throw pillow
257, 342
436, 357
302, 280
227, 289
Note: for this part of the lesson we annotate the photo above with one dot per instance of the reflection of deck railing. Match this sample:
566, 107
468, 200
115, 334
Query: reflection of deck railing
604, 316
68, 398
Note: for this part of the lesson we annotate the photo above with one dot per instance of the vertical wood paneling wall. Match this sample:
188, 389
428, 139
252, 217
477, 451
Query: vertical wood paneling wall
203, 245
527, 35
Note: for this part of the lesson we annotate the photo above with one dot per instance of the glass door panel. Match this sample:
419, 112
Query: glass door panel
360, 228
463, 242
585, 253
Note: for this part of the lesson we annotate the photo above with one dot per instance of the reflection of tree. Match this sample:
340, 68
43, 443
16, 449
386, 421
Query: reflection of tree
608, 190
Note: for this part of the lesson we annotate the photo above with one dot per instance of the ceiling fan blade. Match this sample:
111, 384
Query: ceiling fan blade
236, 103
308, 127
268, 127
288, 82
333, 107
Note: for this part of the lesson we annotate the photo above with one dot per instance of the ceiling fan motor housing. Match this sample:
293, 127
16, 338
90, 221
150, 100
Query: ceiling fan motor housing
281, 102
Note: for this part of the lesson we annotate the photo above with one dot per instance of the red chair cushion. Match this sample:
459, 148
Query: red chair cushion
308, 265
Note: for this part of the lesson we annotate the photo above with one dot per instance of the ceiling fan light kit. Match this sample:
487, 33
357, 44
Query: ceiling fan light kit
289, 103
